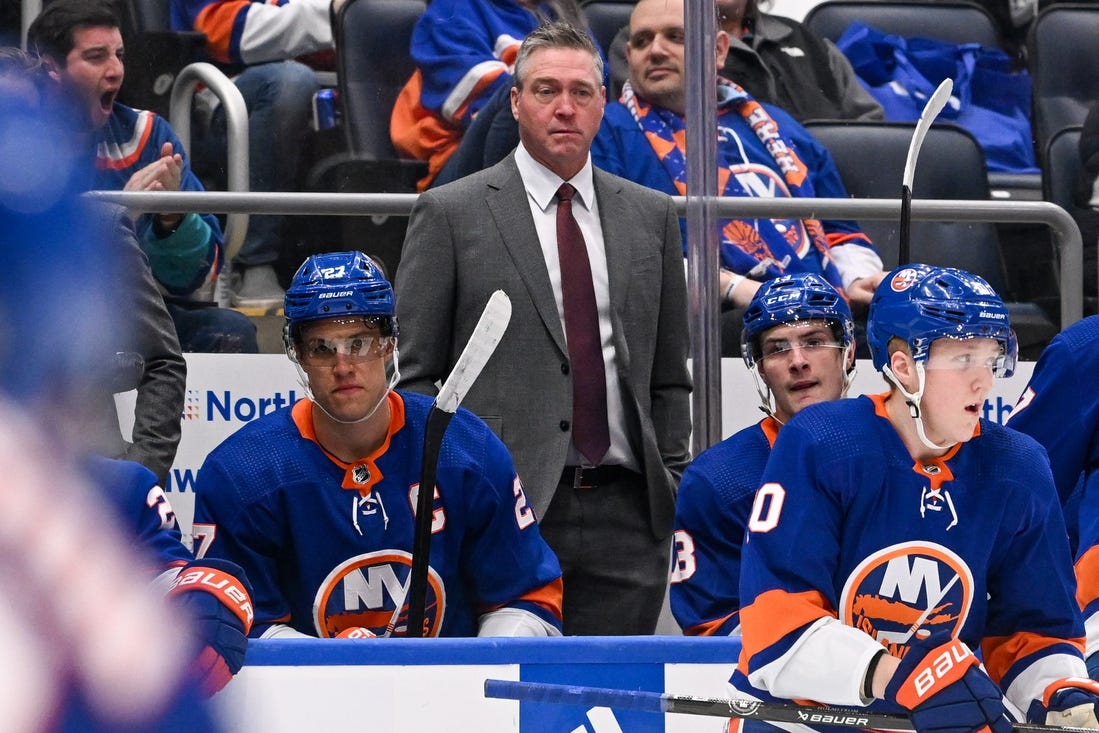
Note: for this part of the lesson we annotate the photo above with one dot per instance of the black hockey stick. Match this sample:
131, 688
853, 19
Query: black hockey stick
771, 712
931, 110
482, 342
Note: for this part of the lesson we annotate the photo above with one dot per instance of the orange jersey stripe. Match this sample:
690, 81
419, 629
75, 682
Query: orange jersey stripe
775, 614
144, 130
216, 21
1087, 577
1001, 652
478, 89
709, 628
548, 597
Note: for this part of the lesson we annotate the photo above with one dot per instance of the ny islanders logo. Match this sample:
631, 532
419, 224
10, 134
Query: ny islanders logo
908, 592
367, 590
903, 280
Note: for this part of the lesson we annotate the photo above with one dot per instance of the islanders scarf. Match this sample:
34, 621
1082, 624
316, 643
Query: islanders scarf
757, 248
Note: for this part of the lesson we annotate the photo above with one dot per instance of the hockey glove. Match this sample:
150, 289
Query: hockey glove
1067, 702
942, 684
218, 597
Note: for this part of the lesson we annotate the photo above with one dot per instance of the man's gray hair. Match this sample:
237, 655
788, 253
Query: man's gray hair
555, 35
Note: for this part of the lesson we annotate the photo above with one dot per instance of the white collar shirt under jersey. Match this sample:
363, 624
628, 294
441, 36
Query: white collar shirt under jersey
541, 185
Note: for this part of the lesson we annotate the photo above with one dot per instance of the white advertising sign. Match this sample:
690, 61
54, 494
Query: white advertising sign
226, 391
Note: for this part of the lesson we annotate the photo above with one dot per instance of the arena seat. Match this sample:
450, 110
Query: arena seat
957, 21
1063, 54
870, 157
606, 18
373, 64
154, 54
1060, 181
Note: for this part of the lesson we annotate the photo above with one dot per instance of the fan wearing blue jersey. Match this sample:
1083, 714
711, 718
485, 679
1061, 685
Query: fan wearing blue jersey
316, 501
1060, 409
798, 343
893, 534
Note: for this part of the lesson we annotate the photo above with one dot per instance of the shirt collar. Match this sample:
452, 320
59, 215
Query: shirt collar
542, 183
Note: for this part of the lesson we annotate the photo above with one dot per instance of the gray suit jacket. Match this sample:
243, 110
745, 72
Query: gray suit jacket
476, 235
149, 333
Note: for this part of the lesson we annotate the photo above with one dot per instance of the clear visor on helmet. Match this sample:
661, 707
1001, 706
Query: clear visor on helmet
326, 351
806, 336
365, 345
976, 353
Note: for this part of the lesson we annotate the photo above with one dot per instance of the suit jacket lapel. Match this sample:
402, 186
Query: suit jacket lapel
507, 202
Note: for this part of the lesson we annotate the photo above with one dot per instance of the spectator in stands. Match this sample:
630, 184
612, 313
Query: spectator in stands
81, 48
143, 354
799, 344
316, 500
762, 152
262, 45
779, 61
464, 51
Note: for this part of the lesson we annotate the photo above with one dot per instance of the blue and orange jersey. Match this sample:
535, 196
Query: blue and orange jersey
255, 31
623, 148
464, 51
711, 513
134, 494
328, 545
131, 140
853, 546
1060, 409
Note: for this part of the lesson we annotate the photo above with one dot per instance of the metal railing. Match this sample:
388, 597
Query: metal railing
1065, 231
236, 116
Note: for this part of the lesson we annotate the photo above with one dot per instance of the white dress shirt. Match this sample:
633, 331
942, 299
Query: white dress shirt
541, 185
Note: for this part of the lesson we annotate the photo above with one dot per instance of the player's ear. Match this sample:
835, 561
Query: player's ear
904, 368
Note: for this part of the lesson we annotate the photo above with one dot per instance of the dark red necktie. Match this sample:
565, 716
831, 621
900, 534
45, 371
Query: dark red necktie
590, 434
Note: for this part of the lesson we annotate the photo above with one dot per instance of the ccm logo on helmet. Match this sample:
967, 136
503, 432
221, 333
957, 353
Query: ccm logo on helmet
997, 316
341, 294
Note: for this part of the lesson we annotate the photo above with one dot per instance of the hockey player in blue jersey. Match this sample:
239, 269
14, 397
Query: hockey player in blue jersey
798, 342
1060, 409
893, 534
315, 501
215, 593
85, 643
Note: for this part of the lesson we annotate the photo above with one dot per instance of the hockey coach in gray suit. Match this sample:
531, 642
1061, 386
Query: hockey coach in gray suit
589, 387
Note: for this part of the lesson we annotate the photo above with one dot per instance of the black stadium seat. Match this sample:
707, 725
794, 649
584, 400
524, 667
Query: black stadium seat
154, 54
605, 18
372, 43
373, 64
1063, 53
956, 21
870, 157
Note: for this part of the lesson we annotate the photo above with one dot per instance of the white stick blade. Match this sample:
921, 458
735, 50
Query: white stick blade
931, 110
482, 343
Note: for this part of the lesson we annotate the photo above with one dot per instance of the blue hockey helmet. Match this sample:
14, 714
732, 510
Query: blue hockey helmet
921, 303
791, 298
339, 285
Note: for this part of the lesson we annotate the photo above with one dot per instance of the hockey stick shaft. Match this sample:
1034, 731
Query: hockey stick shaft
771, 712
655, 702
482, 343
930, 111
